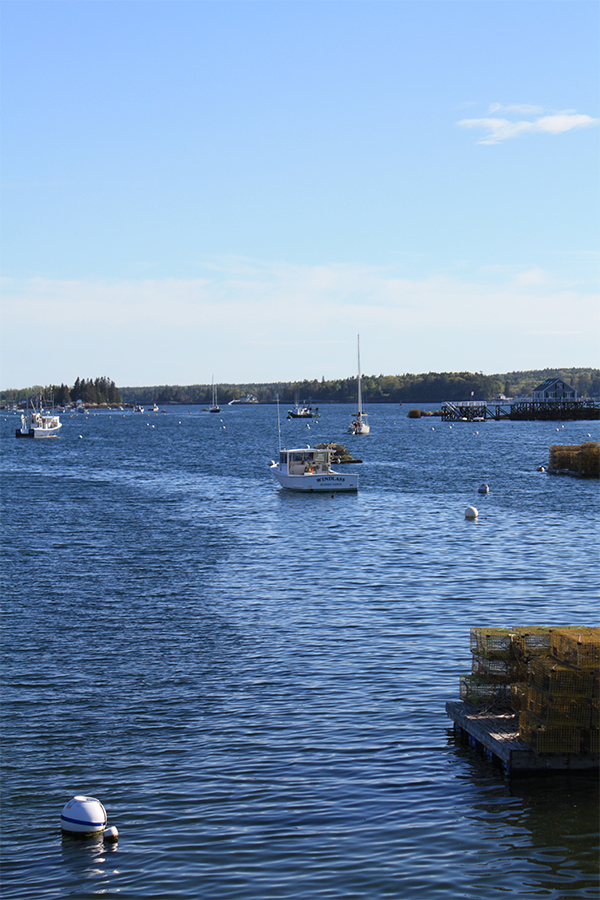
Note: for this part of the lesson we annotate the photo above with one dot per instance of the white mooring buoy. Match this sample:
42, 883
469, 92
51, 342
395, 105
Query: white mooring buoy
86, 816
483, 489
471, 512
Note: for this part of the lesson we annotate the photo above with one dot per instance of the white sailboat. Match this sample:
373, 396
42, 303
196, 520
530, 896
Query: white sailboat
214, 406
359, 424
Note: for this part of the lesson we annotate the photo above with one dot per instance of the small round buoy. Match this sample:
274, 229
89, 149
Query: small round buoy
483, 489
541, 468
471, 512
83, 815
110, 834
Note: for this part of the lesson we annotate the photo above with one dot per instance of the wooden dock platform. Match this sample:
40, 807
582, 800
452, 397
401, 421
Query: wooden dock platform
497, 736
525, 410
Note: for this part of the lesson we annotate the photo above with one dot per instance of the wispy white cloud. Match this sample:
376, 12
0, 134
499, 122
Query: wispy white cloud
527, 109
258, 321
502, 129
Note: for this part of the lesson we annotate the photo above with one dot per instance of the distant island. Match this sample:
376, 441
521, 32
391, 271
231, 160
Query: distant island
430, 387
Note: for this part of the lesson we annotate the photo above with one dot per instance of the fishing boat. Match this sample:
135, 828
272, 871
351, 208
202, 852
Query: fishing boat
309, 469
303, 412
214, 406
38, 424
359, 424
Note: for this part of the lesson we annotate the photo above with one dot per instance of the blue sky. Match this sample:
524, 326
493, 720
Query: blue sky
192, 188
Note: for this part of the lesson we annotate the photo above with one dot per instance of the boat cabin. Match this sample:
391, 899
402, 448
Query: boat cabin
305, 462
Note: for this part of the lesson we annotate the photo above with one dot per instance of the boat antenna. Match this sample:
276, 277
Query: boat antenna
278, 423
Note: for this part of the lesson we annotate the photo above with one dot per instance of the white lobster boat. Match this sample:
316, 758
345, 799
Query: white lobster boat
308, 469
38, 424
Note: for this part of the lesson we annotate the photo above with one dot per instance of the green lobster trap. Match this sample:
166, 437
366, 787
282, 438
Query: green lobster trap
478, 692
564, 711
560, 680
494, 642
548, 738
494, 669
577, 646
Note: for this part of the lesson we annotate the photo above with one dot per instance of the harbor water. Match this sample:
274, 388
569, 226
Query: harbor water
253, 681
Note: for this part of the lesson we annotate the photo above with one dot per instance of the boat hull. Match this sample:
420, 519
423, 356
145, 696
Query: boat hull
38, 432
327, 482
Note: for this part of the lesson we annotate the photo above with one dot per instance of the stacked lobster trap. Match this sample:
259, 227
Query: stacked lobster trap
579, 459
549, 676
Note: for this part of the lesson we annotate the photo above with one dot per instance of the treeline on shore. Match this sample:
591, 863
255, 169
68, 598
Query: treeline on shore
91, 392
430, 387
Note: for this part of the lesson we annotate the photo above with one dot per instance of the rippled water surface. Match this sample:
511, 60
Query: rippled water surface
254, 682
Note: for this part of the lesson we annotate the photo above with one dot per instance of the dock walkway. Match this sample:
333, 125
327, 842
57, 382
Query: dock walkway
498, 736
528, 410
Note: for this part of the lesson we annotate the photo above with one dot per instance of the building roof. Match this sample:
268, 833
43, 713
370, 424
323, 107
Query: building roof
549, 382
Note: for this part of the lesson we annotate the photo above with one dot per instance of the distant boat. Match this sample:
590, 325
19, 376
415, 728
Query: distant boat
138, 409
359, 425
303, 412
215, 406
247, 398
37, 424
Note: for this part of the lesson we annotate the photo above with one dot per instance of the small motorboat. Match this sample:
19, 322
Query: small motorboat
309, 469
303, 412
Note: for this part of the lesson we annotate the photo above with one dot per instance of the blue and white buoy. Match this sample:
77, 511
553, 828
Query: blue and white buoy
86, 816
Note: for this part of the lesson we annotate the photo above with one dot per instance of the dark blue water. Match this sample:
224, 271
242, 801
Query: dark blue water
254, 682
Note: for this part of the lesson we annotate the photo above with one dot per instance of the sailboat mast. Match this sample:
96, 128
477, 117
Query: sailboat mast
278, 424
359, 384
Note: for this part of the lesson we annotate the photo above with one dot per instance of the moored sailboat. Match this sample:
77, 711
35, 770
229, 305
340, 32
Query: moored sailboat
214, 406
359, 424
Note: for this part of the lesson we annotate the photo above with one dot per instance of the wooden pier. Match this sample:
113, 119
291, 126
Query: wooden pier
497, 736
526, 410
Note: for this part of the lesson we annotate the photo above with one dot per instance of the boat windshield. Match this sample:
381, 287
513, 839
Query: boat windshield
298, 459
303, 456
